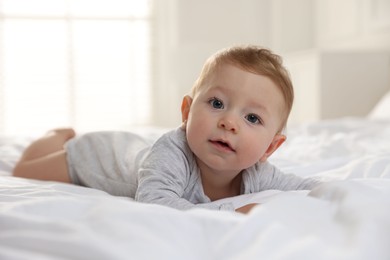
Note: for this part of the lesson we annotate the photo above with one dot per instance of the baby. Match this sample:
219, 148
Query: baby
233, 120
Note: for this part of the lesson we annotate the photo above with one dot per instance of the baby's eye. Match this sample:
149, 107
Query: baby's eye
254, 119
216, 103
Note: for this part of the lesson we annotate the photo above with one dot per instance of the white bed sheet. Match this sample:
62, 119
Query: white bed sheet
347, 218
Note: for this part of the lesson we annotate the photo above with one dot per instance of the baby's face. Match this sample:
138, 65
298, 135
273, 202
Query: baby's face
233, 120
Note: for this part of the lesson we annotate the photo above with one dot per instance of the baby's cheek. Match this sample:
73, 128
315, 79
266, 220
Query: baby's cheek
252, 154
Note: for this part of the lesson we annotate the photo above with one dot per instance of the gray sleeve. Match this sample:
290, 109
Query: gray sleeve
165, 178
268, 177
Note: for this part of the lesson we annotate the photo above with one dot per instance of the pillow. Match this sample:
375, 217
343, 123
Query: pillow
382, 108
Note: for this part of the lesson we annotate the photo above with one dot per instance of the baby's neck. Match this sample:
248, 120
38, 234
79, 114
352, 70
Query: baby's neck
218, 188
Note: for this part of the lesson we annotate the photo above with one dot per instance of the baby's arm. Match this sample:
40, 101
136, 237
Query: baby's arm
162, 186
167, 184
269, 177
169, 192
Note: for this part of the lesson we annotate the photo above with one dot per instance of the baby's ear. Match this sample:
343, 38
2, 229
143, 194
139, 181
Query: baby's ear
185, 109
275, 144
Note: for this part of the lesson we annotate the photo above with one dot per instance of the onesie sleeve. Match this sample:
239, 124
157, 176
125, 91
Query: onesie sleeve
167, 177
266, 176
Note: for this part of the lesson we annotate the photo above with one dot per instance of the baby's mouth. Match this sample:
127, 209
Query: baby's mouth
222, 144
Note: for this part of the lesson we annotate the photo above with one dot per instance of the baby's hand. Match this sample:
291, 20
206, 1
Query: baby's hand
245, 209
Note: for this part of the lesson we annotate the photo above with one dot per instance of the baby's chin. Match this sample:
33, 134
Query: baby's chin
221, 166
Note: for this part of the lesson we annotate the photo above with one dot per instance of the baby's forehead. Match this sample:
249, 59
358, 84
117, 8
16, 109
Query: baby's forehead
232, 78
217, 69
222, 73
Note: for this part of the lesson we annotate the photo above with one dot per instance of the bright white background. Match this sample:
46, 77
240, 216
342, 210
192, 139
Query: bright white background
79, 63
107, 64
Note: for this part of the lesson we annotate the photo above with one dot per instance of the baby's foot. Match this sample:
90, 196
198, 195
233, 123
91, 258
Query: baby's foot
64, 133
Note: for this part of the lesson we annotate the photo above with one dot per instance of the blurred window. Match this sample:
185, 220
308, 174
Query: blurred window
79, 63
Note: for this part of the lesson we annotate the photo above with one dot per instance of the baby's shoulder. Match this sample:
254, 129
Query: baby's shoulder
172, 138
261, 169
171, 152
172, 143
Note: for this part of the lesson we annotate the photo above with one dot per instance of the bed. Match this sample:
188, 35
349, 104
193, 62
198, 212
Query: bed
348, 217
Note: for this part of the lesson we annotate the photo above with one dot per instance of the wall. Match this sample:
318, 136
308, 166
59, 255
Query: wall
347, 69
337, 83
351, 83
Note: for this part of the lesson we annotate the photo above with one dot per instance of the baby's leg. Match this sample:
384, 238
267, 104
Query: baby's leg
45, 158
52, 142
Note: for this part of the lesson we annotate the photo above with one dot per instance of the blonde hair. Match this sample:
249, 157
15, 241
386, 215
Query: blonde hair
256, 60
